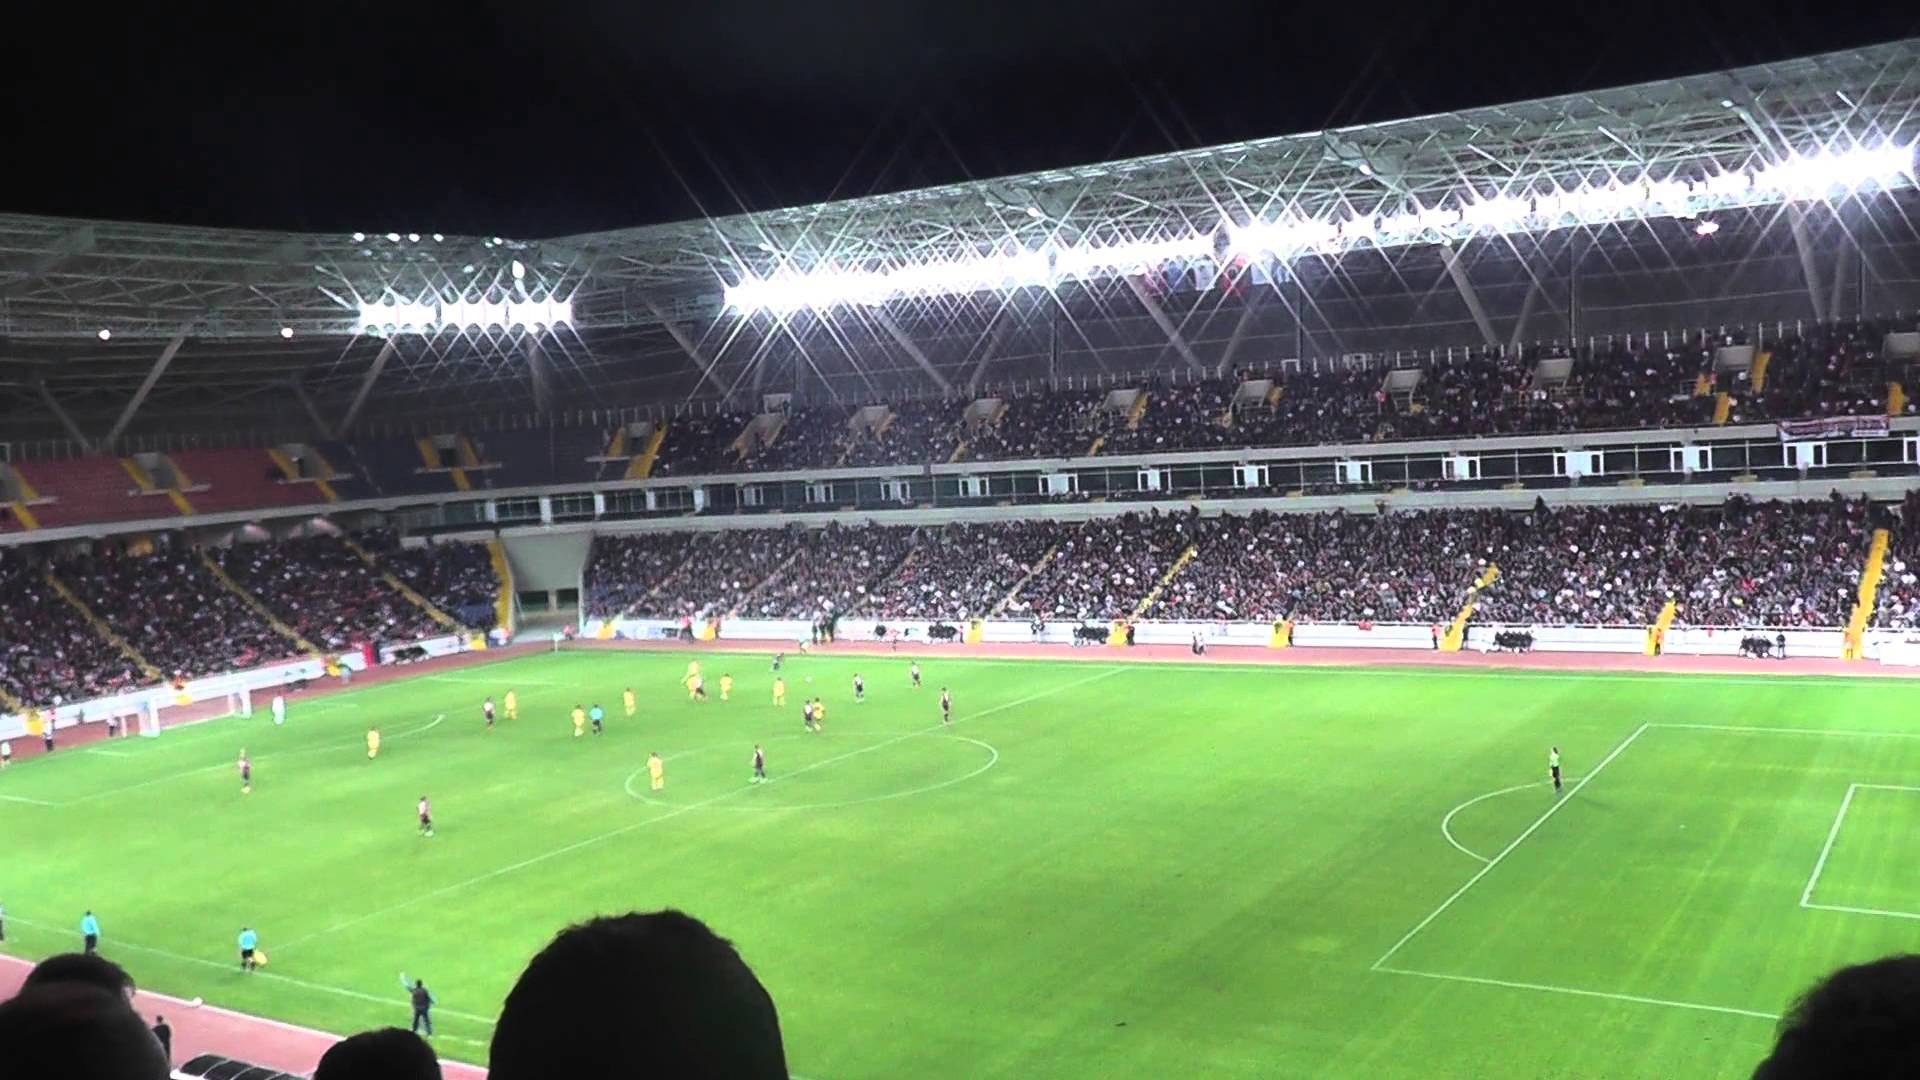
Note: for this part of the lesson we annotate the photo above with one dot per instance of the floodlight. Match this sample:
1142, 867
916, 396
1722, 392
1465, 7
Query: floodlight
413, 238
105, 334
437, 238
1706, 228
1035, 212
286, 332
394, 236
359, 238
519, 270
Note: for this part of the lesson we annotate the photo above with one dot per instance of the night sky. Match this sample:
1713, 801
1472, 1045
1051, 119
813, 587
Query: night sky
536, 119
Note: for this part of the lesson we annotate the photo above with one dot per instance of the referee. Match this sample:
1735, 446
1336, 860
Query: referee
90, 932
1553, 766
248, 942
422, 1005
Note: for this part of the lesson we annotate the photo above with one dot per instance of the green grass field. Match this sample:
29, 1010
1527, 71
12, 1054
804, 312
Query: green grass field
1099, 871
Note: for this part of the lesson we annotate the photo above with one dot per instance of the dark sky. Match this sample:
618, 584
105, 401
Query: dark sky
543, 117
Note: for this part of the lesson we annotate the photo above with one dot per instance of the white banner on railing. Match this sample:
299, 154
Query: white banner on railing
1834, 427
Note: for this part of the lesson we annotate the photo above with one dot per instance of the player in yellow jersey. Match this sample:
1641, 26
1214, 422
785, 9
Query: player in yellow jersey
693, 670
656, 770
626, 700
696, 688
726, 688
579, 721
373, 743
513, 705
819, 714
779, 691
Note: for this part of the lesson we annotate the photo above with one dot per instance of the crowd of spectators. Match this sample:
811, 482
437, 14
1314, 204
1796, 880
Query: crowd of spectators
458, 578
1619, 384
174, 612
49, 653
1041, 424
623, 570
325, 592
1107, 566
964, 571
697, 445
919, 432
1897, 604
830, 572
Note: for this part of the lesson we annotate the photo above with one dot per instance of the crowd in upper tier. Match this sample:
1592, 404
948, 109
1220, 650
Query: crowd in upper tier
1834, 370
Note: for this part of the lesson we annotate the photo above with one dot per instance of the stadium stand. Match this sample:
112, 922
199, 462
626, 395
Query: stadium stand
89, 489
457, 578
174, 612
965, 571
325, 592
622, 571
239, 479
1898, 601
831, 571
544, 455
48, 651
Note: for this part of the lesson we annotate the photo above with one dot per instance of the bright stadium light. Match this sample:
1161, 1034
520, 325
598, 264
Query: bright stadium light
286, 332
519, 270
1706, 228
432, 315
359, 238
394, 236
105, 334
1536, 204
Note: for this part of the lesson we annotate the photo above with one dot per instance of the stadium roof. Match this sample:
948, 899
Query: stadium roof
213, 317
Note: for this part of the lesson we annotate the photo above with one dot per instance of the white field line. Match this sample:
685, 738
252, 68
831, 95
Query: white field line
109, 944
1577, 992
268, 755
1861, 910
29, 802
689, 808
1738, 729
182, 1005
108, 753
1446, 823
1806, 895
1510, 848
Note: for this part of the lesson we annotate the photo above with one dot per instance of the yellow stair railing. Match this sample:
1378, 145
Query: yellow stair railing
1657, 633
1456, 634
1138, 410
1896, 398
502, 569
1160, 587
1098, 442
412, 597
225, 579
1013, 593
1876, 565
100, 627
1722, 407
641, 466
1757, 374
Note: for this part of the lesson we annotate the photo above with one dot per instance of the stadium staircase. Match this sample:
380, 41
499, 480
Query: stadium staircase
1658, 631
22, 511
1722, 408
1456, 634
1896, 398
959, 452
1856, 637
1041, 564
1757, 372
100, 627
1138, 410
770, 578
1160, 587
226, 580
502, 569
10, 703
641, 465
1098, 442
143, 480
441, 618
323, 473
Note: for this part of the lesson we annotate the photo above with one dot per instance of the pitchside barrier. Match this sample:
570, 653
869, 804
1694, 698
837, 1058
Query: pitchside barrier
148, 711
1680, 640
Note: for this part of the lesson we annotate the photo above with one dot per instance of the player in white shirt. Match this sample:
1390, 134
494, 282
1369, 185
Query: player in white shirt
279, 709
1553, 766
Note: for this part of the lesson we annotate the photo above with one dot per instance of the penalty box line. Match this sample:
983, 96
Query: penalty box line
1826, 849
1381, 964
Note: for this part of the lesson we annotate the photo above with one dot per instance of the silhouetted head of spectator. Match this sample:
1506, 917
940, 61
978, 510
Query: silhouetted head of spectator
1862, 1022
631, 995
75, 1030
387, 1054
89, 969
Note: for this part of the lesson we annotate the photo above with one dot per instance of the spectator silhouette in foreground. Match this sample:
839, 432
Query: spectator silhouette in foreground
386, 1054
75, 1030
90, 969
1860, 1023
638, 995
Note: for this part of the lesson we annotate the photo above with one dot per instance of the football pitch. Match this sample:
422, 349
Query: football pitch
1100, 869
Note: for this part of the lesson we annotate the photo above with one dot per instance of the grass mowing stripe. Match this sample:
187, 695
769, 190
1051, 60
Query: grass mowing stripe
590, 841
1509, 849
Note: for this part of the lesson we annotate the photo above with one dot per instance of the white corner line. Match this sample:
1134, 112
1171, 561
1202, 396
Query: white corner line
1575, 991
1510, 848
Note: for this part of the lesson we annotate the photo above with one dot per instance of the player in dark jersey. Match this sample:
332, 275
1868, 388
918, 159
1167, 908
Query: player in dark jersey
946, 706
1553, 766
914, 671
759, 765
486, 710
859, 690
246, 773
425, 810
